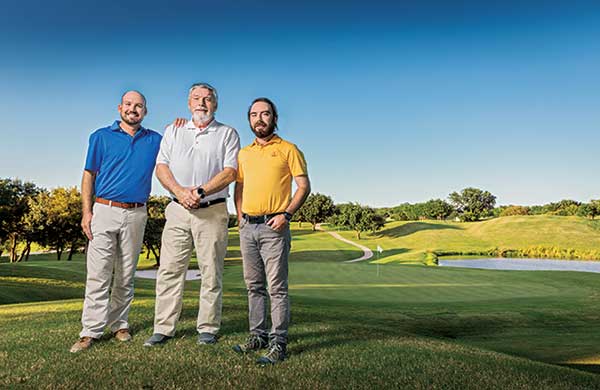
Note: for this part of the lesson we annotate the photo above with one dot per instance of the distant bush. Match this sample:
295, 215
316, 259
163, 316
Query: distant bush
432, 209
514, 210
430, 258
565, 207
539, 251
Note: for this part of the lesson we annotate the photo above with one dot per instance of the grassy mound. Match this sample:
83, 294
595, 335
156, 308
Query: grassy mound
536, 235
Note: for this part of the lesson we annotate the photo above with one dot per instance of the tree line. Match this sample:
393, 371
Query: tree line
473, 204
51, 218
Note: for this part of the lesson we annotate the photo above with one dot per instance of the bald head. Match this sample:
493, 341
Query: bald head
133, 108
133, 92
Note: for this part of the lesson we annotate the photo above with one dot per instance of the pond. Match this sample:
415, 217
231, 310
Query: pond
524, 264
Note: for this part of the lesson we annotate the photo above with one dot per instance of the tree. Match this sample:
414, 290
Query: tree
595, 205
317, 209
437, 209
61, 210
472, 203
299, 217
358, 218
14, 206
406, 212
589, 210
156, 206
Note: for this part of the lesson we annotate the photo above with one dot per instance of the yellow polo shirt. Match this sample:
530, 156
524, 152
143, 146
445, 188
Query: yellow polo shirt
266, 172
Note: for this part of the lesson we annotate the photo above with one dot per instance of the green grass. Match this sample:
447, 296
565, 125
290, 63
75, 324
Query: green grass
408, 241
353, 326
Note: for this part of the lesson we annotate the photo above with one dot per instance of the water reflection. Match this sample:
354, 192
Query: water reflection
524, 264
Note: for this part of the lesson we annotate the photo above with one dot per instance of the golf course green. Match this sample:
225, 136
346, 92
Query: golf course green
359, 325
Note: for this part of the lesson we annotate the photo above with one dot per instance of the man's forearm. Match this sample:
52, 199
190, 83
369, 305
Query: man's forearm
237, 197
219, 181
166, 178
300, 195
87, 191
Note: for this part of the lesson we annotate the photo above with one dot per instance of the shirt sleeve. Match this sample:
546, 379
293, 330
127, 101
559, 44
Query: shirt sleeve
165, 150
296, 162
94, 154
232, 148
240, 171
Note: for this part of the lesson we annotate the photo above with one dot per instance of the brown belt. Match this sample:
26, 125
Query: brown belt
122, 205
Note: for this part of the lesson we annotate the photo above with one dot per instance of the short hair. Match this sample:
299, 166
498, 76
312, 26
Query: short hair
269, 102
212, 90
136, 91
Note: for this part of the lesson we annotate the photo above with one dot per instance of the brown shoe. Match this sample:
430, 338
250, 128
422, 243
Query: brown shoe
123, 335
81, 344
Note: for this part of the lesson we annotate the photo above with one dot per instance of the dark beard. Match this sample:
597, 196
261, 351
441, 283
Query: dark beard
265, 132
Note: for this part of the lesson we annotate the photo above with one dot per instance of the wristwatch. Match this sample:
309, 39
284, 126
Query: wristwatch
201, 192
288, 216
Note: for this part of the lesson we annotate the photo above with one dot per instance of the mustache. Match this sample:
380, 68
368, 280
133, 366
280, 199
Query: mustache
259, 122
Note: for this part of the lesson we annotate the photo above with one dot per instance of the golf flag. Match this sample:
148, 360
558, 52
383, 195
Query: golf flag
379, 249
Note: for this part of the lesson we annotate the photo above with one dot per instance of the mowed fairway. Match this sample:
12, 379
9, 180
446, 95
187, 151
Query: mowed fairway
353, 326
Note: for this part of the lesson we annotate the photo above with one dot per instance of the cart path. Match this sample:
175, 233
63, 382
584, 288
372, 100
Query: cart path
367, 253
194, 274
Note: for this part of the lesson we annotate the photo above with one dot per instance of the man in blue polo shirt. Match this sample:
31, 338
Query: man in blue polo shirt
118, 172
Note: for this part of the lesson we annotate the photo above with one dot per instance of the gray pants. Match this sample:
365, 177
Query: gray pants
115, 248
265, 257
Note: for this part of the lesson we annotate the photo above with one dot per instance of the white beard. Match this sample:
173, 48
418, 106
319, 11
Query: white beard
201, 117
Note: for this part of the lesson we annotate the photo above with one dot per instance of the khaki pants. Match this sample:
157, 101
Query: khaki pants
115, 248
205, 229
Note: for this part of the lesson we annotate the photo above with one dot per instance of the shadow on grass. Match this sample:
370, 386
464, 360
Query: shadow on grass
413, 227
324, 256
387, 253
593, 368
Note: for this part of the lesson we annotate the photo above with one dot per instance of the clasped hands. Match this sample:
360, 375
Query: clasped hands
188, 197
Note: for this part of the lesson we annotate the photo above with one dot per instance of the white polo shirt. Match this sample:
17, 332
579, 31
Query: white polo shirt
196, 155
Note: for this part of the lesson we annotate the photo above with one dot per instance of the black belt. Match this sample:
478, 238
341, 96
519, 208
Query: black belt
206, 204
256, 219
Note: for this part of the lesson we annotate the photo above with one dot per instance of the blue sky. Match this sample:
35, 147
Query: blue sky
390, 103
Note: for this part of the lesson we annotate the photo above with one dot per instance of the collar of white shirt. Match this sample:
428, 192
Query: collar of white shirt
212, 126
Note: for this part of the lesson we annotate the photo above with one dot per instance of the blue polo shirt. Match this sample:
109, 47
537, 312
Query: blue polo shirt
123, 164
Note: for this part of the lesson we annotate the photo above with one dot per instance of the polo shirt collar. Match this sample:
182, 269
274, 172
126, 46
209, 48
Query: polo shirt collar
274, 140
115, 127
212, 126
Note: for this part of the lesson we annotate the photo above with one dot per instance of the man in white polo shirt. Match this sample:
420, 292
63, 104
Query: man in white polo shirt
196, 163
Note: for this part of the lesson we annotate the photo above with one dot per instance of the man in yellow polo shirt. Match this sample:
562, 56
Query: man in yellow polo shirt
264, 204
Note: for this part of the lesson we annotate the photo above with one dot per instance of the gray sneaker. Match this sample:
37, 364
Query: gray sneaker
276, 354
253, 343
207, 338
156, 339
